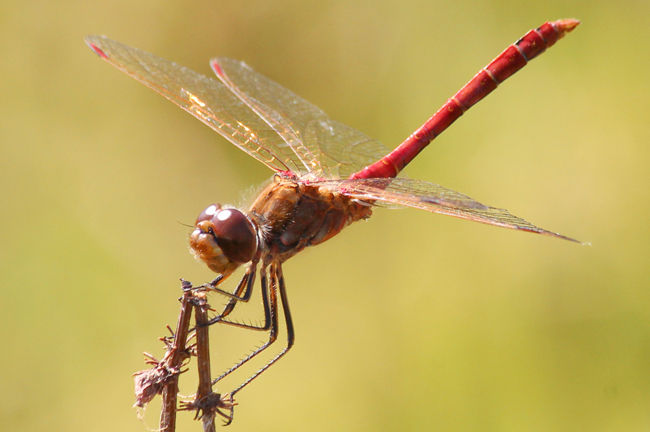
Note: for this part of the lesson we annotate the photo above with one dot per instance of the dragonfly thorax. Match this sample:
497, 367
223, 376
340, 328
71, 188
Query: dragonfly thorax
224, 238
292, 214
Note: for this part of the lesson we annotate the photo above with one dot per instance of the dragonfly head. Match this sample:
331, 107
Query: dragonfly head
224, 238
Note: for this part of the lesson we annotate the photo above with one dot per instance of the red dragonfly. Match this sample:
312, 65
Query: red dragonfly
327, 174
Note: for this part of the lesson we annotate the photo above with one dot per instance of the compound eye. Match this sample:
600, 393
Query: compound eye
208, 213
235, 234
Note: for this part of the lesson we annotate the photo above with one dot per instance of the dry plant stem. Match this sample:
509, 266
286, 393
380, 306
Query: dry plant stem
206, 403
175, 360
203, 358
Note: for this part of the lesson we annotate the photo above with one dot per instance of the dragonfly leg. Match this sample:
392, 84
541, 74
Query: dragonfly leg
267, 303
236, 295
245, 285
270, 303
277, 280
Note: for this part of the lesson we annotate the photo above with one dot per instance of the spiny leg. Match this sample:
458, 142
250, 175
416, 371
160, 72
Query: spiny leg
236, 295
245, 284
265, 303
276, 278
270, 303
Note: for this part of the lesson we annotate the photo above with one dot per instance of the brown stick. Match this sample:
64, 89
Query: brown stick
203, 359
206, 403
174, 359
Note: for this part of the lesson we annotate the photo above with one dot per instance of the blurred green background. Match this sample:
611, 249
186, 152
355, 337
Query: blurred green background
411, 321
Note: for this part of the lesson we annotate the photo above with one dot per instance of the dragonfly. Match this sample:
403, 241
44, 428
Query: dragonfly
326, 175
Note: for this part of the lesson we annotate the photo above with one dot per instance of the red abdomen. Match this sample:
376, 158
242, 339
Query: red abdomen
515, 57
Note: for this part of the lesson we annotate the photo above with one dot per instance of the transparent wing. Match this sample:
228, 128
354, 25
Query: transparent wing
206, 99
431, 197
326, 147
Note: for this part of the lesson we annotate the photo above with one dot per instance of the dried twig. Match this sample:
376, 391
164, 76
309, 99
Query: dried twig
206, 403
163, 377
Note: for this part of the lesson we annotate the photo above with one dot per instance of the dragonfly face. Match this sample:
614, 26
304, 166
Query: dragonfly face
224, 239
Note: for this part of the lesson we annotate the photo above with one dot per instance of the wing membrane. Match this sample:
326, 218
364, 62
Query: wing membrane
434, 198
206, 99
328, 148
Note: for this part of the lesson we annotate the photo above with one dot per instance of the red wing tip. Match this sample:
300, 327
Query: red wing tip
566, 25
96, 49
216, 68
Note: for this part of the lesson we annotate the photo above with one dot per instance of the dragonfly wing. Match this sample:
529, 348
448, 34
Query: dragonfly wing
206, 99
343, 150
434, 198
257, 92
328, 148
